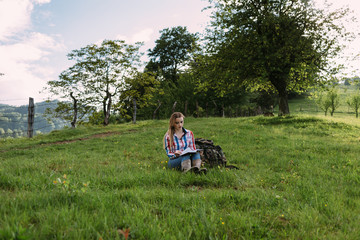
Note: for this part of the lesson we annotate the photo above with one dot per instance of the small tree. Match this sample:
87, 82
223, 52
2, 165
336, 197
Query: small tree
327, 99
334, 100
354, 102
139, 90
323, 103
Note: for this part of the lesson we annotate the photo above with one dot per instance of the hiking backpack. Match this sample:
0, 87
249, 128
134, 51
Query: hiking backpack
210, 154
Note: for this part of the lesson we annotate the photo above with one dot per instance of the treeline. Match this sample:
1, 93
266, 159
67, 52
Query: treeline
14, 120
252, 56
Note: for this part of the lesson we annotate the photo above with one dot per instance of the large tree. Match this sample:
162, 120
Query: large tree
172, 51
106, 68
273, 45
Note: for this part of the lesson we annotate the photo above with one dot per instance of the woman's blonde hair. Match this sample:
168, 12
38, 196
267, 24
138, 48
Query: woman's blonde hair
171, 130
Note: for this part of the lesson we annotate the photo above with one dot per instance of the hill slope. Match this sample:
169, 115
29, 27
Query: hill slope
298, 179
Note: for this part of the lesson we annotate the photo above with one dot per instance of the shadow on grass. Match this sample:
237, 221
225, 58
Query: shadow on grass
287, 120
312, 123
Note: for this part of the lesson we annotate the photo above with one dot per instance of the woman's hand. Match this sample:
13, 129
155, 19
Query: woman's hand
177, 153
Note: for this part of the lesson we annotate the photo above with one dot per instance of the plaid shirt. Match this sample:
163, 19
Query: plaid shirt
186, 141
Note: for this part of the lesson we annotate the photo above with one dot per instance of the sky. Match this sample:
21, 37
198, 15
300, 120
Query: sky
36, 35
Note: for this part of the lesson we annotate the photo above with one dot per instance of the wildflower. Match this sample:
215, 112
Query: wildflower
282, 215
64, 182
64, 176
85, 185
55, 182
164, 168
325, 205
222, 223
124, 232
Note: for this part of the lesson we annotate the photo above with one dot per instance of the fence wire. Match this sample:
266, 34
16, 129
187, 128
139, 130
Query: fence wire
39, 120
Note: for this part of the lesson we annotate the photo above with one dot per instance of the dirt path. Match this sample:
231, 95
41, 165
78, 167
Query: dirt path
98, 135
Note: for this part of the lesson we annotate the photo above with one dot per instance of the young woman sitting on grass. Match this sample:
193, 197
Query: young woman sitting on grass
180, 146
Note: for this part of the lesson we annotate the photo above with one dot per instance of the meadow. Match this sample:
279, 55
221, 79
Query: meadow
298, 178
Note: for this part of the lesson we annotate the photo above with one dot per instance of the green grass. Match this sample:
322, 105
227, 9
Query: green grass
298, 179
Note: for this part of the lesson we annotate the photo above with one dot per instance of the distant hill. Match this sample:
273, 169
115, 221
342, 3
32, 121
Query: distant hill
14, 120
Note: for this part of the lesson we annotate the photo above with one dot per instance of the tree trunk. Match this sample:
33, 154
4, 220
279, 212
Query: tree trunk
223, 110
158, 107
357, 112
107, 108
134, 113
278, 80
207, 109
186, 107
217, 113
104, 108
73, 122
174, 106
283, 103
197, 108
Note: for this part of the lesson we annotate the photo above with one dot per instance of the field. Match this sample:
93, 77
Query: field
298, 178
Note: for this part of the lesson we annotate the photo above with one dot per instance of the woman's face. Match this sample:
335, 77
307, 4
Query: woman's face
179, 122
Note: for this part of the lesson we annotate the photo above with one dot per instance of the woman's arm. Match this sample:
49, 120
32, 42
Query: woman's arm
192, 142
168, 150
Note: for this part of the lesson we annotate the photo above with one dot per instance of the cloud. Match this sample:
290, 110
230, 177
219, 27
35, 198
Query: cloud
24, 54
14, 17
24, 64
42, 1
145, 35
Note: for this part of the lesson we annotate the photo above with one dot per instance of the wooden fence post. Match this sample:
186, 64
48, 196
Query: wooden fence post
31, 113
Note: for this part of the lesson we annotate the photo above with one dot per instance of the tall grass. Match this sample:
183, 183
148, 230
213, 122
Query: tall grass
298, 179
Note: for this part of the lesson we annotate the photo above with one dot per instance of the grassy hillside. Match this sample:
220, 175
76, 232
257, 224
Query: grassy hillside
298, 179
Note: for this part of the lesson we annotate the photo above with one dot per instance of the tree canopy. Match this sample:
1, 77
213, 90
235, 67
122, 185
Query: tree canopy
273, 45
99, 73
172, 50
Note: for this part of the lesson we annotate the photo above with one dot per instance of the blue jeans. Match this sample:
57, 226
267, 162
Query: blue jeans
176, 162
